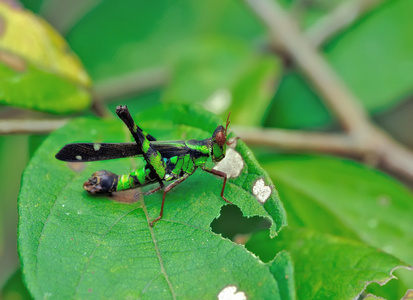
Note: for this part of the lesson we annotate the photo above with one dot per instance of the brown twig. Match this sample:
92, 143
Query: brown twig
130, 84
98, 108
301, 141
282, 28
353, 118
27, 126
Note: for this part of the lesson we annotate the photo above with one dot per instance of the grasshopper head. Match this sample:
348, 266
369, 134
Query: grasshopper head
219, 142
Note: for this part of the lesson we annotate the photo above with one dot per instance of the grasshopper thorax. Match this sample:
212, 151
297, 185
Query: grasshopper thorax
219, 142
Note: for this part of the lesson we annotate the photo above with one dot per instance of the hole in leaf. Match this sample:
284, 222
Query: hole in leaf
394, 288
233, 225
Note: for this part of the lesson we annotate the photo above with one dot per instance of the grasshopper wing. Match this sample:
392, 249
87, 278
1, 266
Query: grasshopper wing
82, 152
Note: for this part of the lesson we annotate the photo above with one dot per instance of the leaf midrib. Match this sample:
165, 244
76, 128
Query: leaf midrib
158, 254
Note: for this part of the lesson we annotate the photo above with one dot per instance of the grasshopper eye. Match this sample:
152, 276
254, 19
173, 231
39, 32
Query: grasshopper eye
220, 138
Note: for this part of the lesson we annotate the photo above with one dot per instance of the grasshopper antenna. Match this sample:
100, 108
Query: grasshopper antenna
228, 121
226, 129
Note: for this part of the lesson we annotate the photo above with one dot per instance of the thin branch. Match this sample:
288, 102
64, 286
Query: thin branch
283, 30
29, 126
340, 18
379, 150
301, 141
382, 148
98, 108
393, 156
130, 84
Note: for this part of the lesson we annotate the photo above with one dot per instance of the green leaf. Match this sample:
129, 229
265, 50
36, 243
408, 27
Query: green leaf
72, 244
344, 198
37, 70
14, 288
41, 90
33, 5
328, 267
144, 35
283, 270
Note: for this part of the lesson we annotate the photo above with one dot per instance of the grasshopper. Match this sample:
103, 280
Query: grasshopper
164, 160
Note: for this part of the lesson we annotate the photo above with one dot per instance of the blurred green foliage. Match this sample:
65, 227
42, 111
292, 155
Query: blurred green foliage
218, 55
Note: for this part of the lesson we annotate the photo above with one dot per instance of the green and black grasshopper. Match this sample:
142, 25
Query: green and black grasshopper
165, 160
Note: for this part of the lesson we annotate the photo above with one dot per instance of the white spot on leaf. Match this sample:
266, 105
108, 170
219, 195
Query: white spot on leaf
232, 164
230, 293
261, 191
78, 157
219, 101
96, 146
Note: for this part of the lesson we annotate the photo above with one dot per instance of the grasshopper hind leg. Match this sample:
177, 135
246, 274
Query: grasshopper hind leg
160, 187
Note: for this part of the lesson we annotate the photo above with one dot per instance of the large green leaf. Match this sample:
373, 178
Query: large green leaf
37, 70
328, 267
344, 198
283, 270
74, 245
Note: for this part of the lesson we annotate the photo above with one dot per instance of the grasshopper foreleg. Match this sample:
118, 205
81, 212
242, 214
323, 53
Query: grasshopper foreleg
220, 174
